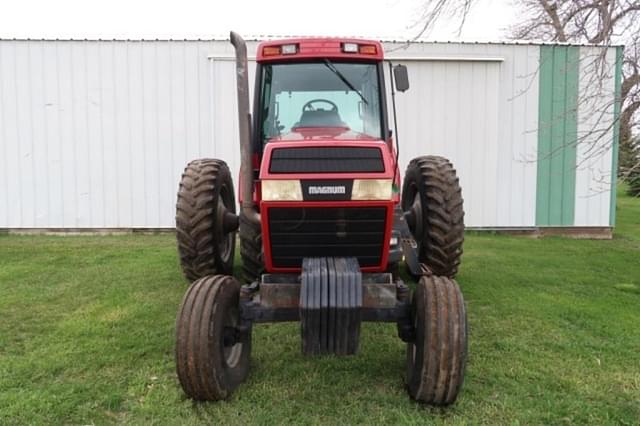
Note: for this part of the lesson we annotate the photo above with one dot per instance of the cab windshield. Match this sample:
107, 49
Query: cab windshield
326, 94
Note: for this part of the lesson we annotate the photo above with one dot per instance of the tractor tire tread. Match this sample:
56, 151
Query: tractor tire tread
200, 361
436, 374
195, 218
251, 250
443, 221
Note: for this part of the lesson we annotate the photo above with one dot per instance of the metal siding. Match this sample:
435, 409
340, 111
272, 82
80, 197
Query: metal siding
136, 134
4, 147
557, 135
523, 119
616, 135
96, 134
79, 117
68, 166
482, 115
23, 122
595, 138
122, 135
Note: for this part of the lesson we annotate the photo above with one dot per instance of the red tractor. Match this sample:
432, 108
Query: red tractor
322, 225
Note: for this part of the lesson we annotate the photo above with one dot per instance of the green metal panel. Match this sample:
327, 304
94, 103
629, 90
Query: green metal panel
616, 135
557, 135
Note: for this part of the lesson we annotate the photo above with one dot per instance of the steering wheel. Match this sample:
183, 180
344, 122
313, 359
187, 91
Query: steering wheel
309, 105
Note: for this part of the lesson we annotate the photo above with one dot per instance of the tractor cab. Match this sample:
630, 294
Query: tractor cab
304, 94
322, 140
313, 89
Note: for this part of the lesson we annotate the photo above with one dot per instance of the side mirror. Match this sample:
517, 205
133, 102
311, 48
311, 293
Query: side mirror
401, 77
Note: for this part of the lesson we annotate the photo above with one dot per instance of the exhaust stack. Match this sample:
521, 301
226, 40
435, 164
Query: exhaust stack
244, 124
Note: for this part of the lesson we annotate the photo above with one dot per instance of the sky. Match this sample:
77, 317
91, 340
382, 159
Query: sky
395, 19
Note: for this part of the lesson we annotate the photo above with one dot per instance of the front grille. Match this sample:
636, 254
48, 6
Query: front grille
346, 159
301, 232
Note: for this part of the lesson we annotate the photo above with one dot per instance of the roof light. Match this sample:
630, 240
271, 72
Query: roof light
289, 49
271, 50
367, 49
350, 47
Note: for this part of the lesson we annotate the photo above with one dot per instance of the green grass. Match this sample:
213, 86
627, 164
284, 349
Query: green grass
87, 336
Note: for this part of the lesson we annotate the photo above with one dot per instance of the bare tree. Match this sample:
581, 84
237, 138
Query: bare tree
630, 94
599, 22
434, 10
587, 21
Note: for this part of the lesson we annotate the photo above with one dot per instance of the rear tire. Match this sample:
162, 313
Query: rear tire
436, 359
204, 195
433, 206
212, 358
251, 250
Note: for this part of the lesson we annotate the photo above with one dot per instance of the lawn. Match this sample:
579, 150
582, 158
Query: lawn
87, 337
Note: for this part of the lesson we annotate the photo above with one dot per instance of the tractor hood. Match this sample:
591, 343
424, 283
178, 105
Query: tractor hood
326, 154
326, 192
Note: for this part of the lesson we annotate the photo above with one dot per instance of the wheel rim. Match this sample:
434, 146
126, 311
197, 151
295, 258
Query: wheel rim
414, 346
232, 348
226, 242
232, 354
414, 212
412, 349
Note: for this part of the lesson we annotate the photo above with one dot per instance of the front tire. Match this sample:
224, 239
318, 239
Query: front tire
212, 354
205, 216
437, 358
433, 207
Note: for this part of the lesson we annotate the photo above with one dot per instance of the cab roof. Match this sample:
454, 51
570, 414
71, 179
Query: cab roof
312, 47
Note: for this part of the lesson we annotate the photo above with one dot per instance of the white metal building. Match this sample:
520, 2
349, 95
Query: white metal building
95, 134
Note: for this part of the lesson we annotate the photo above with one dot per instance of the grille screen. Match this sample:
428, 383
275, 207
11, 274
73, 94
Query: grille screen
326, 160
299, 232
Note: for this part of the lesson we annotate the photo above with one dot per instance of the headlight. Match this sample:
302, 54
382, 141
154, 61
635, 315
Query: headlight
281, 190
371, 189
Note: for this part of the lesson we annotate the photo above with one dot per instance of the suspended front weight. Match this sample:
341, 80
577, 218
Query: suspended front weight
330, 306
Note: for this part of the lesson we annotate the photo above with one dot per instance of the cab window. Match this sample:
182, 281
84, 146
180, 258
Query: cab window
322, 94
